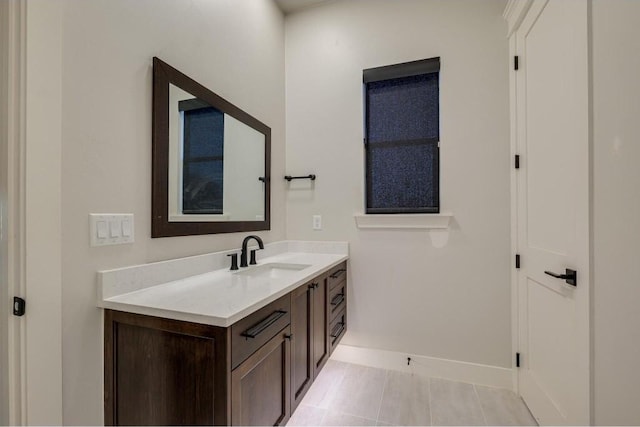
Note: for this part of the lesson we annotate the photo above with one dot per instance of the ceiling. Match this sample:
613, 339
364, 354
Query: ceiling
289, 6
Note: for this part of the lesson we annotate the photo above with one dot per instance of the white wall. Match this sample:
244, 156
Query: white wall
407, 295
243, 164
236, 48
616, 210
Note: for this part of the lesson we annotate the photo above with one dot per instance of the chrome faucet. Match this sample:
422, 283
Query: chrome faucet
243, 255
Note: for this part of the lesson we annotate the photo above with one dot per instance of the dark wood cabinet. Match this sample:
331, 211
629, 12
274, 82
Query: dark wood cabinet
337, 328
302, 344
164, 372
260, 385
336, 305
167, 372
310, 346
252, 332
320, 325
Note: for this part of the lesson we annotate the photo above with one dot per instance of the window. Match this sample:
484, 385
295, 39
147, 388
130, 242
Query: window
202, 165
402, 134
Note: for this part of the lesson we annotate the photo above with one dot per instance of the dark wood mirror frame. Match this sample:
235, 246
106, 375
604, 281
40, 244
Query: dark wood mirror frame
163, 75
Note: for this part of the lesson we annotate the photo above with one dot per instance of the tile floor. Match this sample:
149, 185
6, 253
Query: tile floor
352, 395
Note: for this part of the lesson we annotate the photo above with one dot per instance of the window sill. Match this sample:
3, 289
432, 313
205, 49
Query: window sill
404, 221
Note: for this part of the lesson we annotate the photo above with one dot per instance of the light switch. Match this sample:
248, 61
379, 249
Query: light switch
110, 229
126, 228
101, 227
114, 228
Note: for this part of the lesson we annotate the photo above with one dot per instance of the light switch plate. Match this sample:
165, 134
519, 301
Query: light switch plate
110, 229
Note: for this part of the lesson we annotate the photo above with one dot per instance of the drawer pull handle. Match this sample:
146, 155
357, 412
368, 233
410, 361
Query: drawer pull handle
337, 300
258, 328
340, 328
337, 273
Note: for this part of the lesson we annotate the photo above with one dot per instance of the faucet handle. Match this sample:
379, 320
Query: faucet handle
252, 261
234, 261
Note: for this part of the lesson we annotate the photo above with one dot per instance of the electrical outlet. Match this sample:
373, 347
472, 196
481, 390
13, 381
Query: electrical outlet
317, 222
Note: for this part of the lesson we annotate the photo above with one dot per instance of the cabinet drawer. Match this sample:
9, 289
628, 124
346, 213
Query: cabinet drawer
337, 274
255, 330
337, 328
337, 299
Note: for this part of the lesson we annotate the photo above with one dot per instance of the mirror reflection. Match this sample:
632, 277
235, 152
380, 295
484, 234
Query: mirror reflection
216, 163
211, 161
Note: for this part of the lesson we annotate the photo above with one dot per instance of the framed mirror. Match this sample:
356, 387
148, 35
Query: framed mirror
211, 161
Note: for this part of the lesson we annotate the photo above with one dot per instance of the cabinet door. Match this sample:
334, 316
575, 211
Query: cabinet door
260, 388
302, 342
320, 325
163, 372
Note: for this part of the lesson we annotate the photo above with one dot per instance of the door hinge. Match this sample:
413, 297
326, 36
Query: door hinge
516, 62
517, 162
18, 306
517, 360
517, 260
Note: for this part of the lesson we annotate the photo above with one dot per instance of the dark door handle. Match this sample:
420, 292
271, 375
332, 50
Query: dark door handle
337, 273
571, 276
260, 327
337, 300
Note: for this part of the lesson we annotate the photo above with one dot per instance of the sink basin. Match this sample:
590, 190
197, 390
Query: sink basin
273, 270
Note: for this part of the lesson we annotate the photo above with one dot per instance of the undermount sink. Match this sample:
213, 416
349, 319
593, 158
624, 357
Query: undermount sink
273, 270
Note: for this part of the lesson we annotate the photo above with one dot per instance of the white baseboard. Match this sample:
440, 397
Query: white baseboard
455, 370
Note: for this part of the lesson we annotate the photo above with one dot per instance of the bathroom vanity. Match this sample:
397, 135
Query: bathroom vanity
218, 346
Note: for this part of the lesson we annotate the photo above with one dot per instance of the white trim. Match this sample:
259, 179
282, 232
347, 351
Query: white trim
192, 217
455, 370
412, 221
514, 13
514, 209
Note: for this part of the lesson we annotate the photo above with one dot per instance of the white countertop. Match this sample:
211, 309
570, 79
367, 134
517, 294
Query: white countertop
219, 297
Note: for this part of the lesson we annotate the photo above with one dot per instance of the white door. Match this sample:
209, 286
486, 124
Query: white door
552, 139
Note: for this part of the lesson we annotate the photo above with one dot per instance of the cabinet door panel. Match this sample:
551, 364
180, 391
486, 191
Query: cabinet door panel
320, 325
163, 372
302, 343
260, 385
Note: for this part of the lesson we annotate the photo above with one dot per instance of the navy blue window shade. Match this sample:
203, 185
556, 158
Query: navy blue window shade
402, 133
202, 167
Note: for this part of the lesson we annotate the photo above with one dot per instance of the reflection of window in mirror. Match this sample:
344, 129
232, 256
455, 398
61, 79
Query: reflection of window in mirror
215, 163
202, 130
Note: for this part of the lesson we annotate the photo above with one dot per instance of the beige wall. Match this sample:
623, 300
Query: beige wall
616, 210
4, 283
42, 251
407, 295
233, 47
